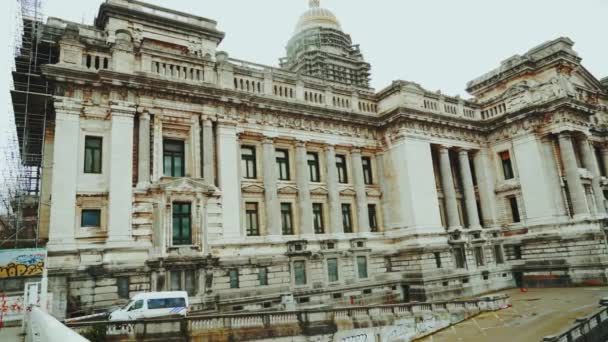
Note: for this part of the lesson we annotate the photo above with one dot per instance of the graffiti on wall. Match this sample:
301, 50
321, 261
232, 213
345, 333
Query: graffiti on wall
15, 263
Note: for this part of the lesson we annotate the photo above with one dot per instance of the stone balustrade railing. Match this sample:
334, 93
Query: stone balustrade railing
593, 328
293, 323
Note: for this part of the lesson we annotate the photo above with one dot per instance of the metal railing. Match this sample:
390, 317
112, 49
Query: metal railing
583, 327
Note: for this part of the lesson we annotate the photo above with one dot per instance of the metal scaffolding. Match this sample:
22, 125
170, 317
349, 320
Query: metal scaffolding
32, 106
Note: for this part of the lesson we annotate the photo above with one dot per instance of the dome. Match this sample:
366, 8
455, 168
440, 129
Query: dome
317, 17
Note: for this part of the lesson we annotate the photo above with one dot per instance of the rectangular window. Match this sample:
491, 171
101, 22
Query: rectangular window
313, 167
299, 270
498, 254
507, 168
332, 270
173, 153
176, 280
341, 166
190, 283
234, 279
373, 219
347, 218
286, 219
282, 157
362, 267
459, 257
263, 276
252, 219
90, 218
317, 217
367, 170
122, 284
438, 259
182, 224
517, 252
479, 256
92, 154
248, 162
514, 208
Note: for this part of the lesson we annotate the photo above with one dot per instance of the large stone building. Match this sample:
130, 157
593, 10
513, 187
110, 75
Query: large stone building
169, 165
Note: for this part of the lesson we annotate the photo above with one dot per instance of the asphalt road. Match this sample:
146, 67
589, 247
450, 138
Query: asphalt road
535, 314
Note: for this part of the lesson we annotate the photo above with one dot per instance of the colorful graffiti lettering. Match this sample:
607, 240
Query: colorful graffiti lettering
21, 263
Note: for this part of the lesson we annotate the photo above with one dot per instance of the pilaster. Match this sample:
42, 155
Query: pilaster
273, 207
228, 178
335, 215
357, 167
302, 182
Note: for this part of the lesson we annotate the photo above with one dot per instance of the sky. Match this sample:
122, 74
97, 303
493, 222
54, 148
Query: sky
440, 44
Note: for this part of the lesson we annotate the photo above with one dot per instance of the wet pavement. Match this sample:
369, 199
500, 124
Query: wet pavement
535, 314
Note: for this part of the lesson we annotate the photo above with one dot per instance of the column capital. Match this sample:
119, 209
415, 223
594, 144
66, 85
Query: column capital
207, 122
144, 115
329, 147
356, 150
444, 148
301, 143
268, 140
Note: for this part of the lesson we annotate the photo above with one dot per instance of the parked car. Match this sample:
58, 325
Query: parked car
152, 305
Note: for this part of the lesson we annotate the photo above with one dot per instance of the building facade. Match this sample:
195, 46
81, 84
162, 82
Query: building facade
169, 165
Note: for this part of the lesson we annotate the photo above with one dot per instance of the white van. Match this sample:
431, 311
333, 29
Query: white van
152, 305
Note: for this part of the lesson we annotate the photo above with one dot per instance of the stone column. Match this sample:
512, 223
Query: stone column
157, 156
604, 155
335, 208
486, 183
195, 142
228, 178
120, 199
208, 152
65, 174
384, 188
447, 183
592, 167
143, 162
575, 186
273, 207
357, 167
469, 190
302, 182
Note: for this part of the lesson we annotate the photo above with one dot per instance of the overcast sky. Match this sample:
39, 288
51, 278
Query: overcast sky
440, 44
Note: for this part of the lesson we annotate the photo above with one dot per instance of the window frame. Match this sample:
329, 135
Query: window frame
372, 216
499, 257
95, 168
314, 168
263, 276
342, 168
460, 255
331, 279
120, 288
347, 217
295, 275
317, 218
247, 161
282, 164
173, 155
287, 217
479, 257
368, 174
506, 164
252, 216
90, 210
233, 278
514, 207
366, 269
181, 216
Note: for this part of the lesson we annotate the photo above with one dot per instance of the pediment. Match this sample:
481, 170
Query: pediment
320, 191
348, 192
252, 188
288, 190
186, 185
584, 79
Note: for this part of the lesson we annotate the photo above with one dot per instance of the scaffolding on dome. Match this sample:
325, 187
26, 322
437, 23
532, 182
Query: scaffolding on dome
31, 98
